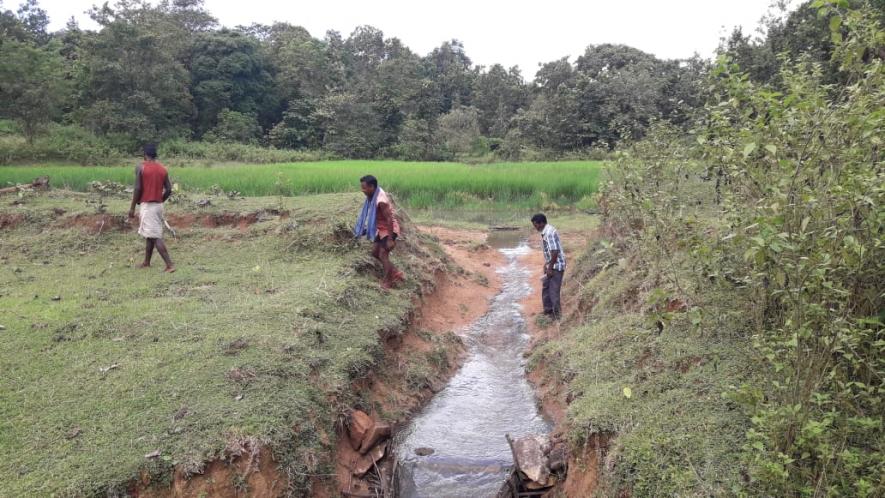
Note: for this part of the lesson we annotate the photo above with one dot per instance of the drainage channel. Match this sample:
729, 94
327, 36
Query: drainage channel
456, 446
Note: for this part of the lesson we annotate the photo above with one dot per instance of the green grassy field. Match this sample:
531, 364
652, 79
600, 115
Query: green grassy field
255, 336
417, 185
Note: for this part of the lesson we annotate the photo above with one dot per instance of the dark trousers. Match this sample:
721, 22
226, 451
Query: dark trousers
550, 293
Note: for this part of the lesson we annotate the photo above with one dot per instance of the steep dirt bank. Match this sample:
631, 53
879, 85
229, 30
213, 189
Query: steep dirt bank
584, 462
390, 392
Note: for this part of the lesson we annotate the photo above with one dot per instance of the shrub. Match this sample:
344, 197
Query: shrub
777, 202
61, 143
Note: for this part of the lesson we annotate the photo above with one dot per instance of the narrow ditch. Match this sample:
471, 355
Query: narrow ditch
456, 446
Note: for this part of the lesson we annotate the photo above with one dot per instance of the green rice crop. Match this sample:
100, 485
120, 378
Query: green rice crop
418, 185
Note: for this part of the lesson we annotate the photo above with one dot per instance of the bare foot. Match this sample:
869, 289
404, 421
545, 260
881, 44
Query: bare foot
398, 277
144, 265
169, 269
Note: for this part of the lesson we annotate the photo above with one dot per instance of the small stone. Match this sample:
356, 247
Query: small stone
153, 454
558, 458
2, 327
530, 457
358, 425
369, 460
375, 435
56, 298
424, 451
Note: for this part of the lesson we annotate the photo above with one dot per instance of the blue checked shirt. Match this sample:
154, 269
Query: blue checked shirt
550, 238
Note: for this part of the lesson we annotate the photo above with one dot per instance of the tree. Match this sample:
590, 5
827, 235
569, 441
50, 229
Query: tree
497, 95
32, 85
350, 126
27, 24
234, 126
299, 128
303, 65
552, 121
35, 21
459, 130
229, 71
136, 82
450, 67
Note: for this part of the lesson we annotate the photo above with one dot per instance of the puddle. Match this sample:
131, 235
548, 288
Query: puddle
465, 423
503, 239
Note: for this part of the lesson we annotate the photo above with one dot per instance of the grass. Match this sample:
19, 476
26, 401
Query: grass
417, 185
255, 336
675, 434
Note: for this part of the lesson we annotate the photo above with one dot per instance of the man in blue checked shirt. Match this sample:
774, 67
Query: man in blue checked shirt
554, 266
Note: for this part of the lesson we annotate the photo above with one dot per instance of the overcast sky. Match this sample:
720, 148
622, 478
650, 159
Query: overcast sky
514, 32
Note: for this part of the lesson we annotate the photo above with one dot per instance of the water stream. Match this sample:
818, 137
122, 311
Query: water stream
465, 423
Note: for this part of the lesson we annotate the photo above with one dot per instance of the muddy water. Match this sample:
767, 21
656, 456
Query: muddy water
465, 423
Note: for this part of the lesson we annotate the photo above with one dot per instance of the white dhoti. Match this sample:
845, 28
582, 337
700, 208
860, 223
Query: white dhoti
152, 220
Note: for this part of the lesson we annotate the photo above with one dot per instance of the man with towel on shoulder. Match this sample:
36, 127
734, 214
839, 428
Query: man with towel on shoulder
152, 188
377, 222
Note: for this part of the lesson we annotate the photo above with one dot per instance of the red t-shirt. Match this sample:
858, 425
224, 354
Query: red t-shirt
153, 177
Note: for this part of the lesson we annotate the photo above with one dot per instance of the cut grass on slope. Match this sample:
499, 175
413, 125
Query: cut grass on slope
258, 334
418, 185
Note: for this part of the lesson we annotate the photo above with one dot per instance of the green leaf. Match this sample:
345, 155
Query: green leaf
749, 148
628, 393
835, 23
771, 148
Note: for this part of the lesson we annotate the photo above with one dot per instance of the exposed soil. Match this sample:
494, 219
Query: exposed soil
252, 470
458, 299
10, 221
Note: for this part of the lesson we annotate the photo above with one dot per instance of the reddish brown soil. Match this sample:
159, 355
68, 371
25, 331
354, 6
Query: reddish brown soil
9, 220
460, 299
256, 472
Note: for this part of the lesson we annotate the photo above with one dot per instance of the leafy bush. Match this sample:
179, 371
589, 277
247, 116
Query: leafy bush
60, 143
777, 203
233, 152
235, 126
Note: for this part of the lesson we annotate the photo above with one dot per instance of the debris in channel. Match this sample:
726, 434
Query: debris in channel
371, 467
538, 465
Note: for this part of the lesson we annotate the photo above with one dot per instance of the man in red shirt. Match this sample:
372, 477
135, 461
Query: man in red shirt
377, 222
152, 188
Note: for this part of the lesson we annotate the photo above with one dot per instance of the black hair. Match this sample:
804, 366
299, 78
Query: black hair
539, 218
369, 180
150, 150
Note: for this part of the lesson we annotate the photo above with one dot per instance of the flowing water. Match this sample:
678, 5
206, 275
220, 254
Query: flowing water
465, 423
